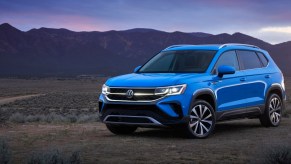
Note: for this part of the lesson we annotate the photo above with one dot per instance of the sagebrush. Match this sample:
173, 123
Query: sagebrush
54, 118
54, 157
278, 155
5, 153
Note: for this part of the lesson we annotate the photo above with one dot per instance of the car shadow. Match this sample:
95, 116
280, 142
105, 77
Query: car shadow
236, 126
158, 133
222, 128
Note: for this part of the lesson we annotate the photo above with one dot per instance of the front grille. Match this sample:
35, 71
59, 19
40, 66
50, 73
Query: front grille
134, 98
124, 90
121, 107
119, 94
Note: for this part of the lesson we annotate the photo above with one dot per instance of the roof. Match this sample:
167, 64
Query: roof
209, 46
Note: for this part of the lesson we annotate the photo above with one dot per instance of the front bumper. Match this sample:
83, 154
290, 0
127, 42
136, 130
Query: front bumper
169, 111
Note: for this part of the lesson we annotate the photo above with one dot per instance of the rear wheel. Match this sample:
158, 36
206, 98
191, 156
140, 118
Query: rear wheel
273, 110
202, 120
121, 129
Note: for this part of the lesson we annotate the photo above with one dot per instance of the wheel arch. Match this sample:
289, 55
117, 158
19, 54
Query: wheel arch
265, 117
277, 89
205, 94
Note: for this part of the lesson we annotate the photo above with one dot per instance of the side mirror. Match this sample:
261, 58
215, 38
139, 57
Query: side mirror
225, 69
136, 69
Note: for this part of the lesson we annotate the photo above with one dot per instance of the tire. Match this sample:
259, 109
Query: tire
202, 120
121, 129
273, 111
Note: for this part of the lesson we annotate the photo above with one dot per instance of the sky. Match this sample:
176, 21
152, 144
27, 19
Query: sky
268, 20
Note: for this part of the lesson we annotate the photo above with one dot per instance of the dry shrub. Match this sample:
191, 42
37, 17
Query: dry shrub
35, 118
88, 118
72, 118
5, 153
278, 155
54, 118
17, 118
54, 157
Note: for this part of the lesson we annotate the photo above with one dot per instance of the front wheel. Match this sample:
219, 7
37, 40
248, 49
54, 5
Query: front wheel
202, 120
273, 111
121, 129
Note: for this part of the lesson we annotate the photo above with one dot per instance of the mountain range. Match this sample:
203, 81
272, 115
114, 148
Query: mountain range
61, 52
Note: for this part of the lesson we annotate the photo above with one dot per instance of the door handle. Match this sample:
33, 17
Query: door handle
243, 79
215, 82
267, 76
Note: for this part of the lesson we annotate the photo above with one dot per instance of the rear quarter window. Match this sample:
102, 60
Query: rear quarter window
263, 59
248, 60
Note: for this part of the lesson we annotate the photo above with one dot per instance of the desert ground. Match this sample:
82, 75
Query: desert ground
47, 114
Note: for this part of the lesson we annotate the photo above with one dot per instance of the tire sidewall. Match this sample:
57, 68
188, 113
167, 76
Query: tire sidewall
190, 131
267, 112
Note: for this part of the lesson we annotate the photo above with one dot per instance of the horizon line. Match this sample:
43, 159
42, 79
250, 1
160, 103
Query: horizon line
140, 28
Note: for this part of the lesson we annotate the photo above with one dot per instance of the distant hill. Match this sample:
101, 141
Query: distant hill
57, 52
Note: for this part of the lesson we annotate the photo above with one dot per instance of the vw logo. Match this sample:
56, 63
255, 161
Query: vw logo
129, 94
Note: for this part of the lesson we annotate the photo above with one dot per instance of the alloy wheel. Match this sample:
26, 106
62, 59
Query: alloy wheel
201, 120
275, 110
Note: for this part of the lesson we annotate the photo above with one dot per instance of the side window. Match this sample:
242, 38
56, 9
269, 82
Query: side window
228, 58
263, 59
249, 60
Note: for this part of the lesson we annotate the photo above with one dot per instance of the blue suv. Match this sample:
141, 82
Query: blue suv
191, 87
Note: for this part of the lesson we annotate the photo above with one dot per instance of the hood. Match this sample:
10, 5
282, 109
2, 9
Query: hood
150, 79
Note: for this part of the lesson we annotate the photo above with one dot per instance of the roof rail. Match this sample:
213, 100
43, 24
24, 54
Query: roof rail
178, 45
238, 44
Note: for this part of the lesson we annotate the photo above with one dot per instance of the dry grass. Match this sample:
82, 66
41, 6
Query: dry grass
16, 87
53, 118
240, 141
61, 99
44, 157
53, 157
278, 155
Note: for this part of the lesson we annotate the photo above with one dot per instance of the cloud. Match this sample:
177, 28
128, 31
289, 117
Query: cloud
273, 35
277, 29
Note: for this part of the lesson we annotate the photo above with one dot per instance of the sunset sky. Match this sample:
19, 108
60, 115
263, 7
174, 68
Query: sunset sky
268, 20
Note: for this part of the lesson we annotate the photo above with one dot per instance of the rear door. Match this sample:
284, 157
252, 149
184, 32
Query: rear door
255, 77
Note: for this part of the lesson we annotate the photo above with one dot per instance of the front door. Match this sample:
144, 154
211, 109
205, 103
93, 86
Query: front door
229, 89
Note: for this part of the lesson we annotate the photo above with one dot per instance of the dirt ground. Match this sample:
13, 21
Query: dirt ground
242, 141
52, 95
239, 141
6, 100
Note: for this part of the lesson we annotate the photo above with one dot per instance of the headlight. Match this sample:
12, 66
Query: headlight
105, 89
172, 90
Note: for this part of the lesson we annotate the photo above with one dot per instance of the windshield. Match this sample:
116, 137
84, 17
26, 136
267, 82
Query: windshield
194, 61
